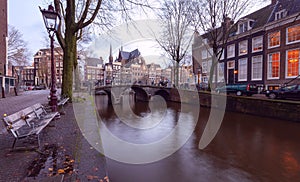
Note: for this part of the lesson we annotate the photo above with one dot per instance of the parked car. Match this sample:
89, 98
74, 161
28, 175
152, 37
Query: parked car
39, 87
239, 89
291, 91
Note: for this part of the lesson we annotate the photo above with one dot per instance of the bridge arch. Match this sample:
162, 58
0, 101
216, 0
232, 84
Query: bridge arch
141, 94
165, 94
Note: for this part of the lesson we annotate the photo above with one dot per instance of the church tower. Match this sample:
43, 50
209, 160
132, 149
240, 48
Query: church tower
110, 55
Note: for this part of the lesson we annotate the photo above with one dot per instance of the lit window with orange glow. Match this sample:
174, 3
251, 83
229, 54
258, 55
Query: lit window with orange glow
243, 47
293, 34
273, 65
292, 63
274, 39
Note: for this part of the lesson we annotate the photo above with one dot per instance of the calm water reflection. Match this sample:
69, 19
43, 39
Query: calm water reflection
246, 148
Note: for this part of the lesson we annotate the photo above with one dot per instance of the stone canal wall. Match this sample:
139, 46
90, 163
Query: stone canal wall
279, 109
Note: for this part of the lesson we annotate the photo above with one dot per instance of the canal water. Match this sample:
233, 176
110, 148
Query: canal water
246, 147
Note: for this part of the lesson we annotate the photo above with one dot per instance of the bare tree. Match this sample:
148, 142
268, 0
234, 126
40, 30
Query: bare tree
77, 15
175, 16
18, 53
215, 18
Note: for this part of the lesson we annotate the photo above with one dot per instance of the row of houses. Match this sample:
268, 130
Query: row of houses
127, 68
263, 48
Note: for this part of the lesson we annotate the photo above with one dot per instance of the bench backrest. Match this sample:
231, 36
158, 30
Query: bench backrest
63, 101
21, 118
39, 110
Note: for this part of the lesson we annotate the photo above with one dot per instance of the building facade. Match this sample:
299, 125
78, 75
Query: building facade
42, 67
7, 79
282, 64
262, 48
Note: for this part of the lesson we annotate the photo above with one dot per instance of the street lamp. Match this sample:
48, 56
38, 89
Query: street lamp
51, 20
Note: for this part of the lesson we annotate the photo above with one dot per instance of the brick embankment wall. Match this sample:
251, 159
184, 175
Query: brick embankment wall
279, 109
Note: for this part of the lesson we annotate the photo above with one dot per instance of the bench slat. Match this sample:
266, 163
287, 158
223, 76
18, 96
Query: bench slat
21, 126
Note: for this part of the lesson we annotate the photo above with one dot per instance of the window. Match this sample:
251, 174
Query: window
230, 51
292, 63
243, 27
273, 65
280, 14
242, 70
230, 65
222, 54
257, 44
204, 54
204, 67
221, 72
243, 47
293, 34
257, 68
274, 39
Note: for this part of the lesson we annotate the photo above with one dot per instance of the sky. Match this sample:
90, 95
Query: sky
27, 18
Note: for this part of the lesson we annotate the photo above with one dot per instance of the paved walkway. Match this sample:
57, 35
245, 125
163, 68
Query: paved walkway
64, 155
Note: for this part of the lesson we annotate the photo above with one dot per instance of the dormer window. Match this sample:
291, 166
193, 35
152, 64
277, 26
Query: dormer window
280, 14
245, 25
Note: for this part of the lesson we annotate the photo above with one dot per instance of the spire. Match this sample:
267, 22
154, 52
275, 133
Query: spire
110, 55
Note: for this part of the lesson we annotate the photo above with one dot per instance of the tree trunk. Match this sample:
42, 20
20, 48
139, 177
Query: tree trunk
77, 78
69, 64
176, 74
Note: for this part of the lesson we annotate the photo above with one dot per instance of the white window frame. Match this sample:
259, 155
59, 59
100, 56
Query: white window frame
221, 72
268, 67
280, 14
222, 54
241, 45
204, 53
259, 61
228, 48
240, 69
269, 39
287, 35
245, 27
204, 67
259, 39
286, 64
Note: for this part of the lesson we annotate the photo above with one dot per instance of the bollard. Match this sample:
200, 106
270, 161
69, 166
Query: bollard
3, 93
15, 89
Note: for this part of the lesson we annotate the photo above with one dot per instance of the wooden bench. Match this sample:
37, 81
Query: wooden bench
62, 102
27, 122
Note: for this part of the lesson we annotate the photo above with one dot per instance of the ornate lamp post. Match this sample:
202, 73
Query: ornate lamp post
51, 20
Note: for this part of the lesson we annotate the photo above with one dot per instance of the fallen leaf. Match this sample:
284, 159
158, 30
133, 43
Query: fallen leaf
60, 171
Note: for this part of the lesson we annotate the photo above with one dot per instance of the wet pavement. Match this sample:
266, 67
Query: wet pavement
64, 154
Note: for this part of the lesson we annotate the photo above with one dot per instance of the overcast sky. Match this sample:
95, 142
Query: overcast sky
27, 18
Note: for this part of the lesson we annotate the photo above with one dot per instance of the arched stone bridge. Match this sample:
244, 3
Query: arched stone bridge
141, 92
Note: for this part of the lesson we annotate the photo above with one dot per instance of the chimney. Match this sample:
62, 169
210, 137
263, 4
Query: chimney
227, 23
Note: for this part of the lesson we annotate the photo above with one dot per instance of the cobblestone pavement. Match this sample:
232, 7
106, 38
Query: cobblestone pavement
71, 155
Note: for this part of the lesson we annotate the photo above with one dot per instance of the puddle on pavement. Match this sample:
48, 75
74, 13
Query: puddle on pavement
45, 164
51, 162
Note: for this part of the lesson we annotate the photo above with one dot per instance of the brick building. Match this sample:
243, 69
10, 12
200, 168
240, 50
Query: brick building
263, 48
42, 66
7, 79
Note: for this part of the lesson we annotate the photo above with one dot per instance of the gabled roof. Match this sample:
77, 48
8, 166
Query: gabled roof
292, 7
260, 18
93, 61
123, 55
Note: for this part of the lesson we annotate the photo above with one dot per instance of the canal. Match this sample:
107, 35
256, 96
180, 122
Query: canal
246, 147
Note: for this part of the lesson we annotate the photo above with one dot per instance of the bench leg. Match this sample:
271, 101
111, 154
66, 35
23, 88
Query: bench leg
13, 146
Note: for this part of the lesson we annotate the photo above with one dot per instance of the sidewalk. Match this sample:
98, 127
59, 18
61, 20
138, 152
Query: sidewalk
64, 155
